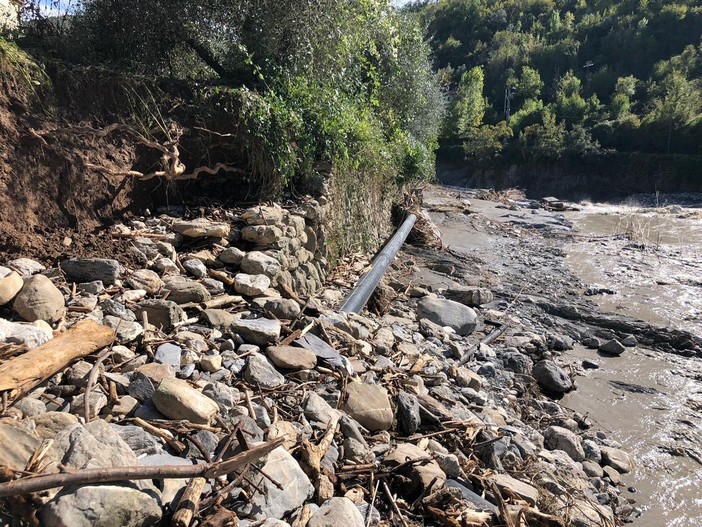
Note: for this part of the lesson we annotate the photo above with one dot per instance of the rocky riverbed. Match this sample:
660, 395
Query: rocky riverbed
227, 336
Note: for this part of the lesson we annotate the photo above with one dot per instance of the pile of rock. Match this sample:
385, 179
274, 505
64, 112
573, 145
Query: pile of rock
225, 339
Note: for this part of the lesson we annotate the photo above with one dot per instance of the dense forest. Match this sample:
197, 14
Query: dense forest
543, 79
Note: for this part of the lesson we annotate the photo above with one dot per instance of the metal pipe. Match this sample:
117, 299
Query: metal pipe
369, 281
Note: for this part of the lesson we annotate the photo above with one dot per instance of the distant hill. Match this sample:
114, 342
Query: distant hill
542, 79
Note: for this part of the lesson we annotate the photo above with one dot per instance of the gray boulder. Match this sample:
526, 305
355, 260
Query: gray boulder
552, 377
462, 319
612, 347
292, 490
102, 506
261, 372
617, 459
251, 284
559, 438
30, 335
369, 404
469, 296
259, 331
163, 314
39, 299
195, 267
256, 262
89, 269
18, 446
337, 512
281, 308
408, 413
182, 290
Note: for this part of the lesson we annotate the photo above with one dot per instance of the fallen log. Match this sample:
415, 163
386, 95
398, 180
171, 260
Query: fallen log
117, 474
21, 374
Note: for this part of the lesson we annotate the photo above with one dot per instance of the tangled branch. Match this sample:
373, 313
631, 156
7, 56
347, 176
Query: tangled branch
172, 168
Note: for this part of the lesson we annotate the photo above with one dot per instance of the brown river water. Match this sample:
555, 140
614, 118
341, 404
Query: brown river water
651, 260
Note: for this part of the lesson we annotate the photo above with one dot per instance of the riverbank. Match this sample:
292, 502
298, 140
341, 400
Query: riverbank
226, 334
645, 399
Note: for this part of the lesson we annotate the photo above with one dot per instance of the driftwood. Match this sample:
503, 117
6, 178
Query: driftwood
21, 374
189, 503
116, 474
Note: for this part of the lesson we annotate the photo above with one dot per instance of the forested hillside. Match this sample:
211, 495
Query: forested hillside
543, 79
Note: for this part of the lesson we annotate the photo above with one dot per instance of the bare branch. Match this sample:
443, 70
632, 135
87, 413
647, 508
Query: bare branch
116, 474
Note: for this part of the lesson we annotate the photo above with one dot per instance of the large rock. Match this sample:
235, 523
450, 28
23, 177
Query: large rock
219, 319
145, 279
261, 234
96, 442
195, 267
31, 335
559, 438
48, 425
527, 492
617, 459
182, 290
125, 330
101, 506
251, 284
612, 347
552, 377
89, 269
421, 474
261, 372
18, 446
231, 256
291, 489
39, 299
257, 262
175, 399
264, 215
462, 319
280, 308
291, 357
337, 512
317, 409
201, 228
408, 413
10, 284
469, 296
259, 331
164, 314
369, 404
26, 266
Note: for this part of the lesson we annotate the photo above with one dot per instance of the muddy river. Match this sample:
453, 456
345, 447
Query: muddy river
646, 262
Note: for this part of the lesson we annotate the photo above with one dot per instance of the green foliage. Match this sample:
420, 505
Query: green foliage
642, 58
485, 143
529, 84
303, 89
470, 103
544, 141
